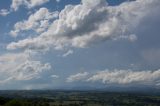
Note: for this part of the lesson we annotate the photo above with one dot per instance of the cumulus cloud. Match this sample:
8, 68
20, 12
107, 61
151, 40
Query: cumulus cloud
28, 3
19, 66
89, 22
126, 77
77, 77
16, 4
34, 44
121, 77
38, 22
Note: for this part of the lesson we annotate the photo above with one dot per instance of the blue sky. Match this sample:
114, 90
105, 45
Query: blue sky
49, 44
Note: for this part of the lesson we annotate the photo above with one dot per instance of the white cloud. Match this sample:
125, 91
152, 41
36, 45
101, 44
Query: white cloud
28, 3
77, 77
4, 12
90, 22
121, 77
126, 77
94, 3
30, 70
19, 66
38, 22
55, 76
16, 4
69, 52
35, 44
130, 38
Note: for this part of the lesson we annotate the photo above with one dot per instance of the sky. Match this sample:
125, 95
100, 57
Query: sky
67, 44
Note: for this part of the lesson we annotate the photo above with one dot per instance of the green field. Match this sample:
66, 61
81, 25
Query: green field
77, 98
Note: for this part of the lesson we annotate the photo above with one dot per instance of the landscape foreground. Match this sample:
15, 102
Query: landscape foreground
77, 98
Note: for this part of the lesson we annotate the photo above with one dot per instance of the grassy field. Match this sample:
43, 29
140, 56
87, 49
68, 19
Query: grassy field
77, 98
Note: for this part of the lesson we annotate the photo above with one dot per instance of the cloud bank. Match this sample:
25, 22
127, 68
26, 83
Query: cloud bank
127, 77
122, 77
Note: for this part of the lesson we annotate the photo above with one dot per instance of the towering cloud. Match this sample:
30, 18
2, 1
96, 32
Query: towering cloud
89, 22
